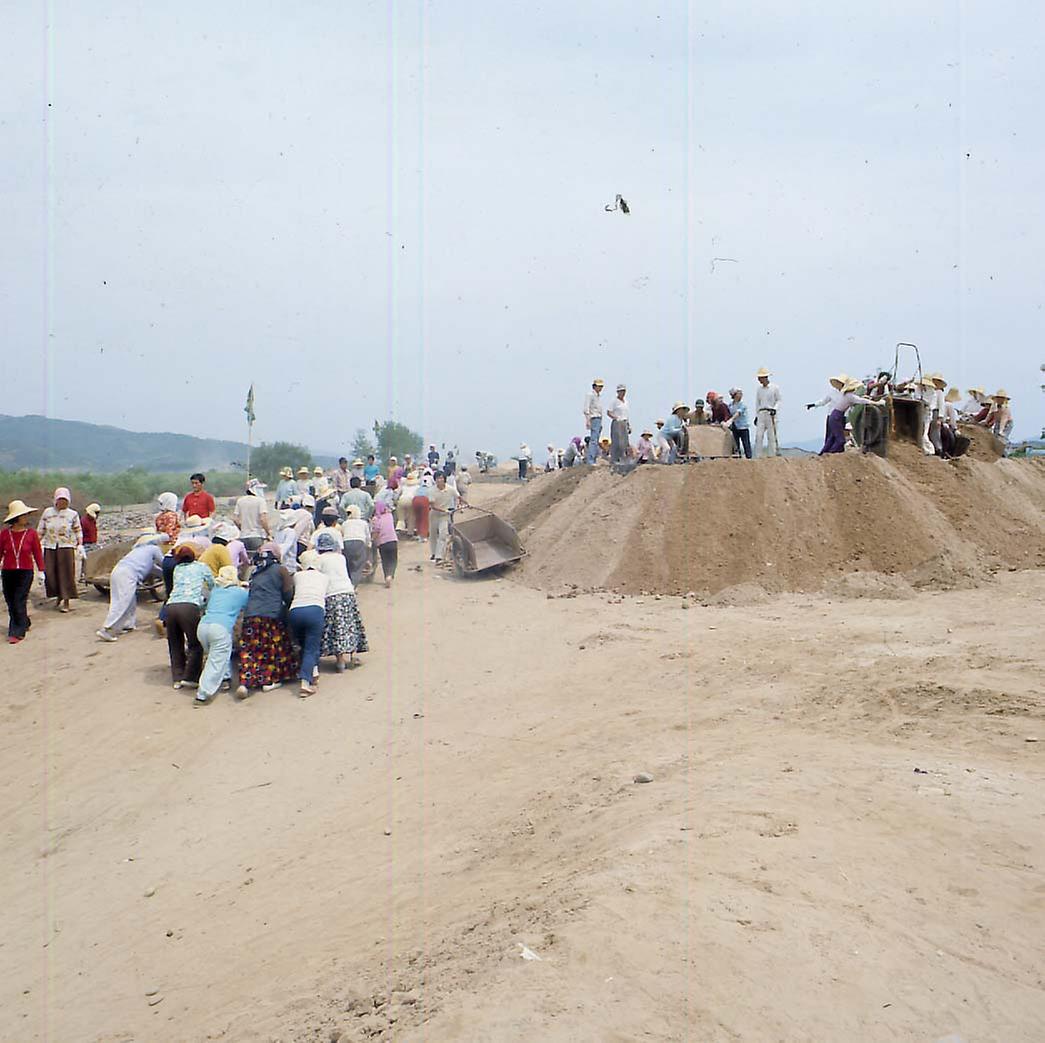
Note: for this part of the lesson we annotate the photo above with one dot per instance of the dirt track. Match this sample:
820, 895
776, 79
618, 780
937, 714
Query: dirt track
787, 875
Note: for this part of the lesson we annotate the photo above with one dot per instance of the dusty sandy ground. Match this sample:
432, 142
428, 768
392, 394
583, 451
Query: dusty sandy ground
844, 837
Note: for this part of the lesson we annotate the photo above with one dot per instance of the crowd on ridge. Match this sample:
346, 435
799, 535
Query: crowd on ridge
756, 433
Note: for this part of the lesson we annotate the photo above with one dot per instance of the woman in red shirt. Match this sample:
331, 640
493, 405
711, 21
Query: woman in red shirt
19, 550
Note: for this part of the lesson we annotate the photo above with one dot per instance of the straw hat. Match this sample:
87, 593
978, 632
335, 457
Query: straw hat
227, 576
194, 521
763, 372
152, 536
679, 405
303, 470
317, 470
92, 509
352, 511
852, 384
190, 547
978, 391
357, 462
938, 378
1001, 395
647, 433
926, 382
839, 381
598, 382
954, 395
16, 509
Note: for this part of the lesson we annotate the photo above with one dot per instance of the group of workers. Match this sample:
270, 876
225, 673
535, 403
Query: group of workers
667, 441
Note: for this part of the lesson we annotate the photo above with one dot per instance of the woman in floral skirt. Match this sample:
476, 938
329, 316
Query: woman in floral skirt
267, 657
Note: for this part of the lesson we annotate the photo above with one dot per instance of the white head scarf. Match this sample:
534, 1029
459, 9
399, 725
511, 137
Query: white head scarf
167, 501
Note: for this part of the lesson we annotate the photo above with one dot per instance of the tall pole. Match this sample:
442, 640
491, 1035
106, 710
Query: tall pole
250, 435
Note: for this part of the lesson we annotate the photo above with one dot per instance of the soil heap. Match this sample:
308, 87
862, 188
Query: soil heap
848, 524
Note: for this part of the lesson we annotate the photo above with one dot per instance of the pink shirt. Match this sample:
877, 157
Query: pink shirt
383, 528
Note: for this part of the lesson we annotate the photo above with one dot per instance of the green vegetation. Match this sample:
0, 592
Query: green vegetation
363, 445
395, 439
110, 490
267, 459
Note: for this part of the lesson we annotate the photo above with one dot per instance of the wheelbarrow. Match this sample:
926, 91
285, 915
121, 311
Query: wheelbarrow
100, 563
482, 542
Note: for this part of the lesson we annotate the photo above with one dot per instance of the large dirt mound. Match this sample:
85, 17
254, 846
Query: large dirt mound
850, 524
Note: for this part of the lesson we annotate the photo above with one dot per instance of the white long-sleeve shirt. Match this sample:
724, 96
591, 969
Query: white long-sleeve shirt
592, 405
767, 397
843, 400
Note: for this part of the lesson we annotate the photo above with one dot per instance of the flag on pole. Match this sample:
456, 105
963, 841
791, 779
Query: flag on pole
249, 407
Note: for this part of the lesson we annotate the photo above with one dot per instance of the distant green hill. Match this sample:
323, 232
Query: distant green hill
41, 443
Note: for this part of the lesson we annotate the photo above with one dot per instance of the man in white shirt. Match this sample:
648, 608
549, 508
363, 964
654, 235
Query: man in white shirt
593, 418
767, 399
251, 516
620, 429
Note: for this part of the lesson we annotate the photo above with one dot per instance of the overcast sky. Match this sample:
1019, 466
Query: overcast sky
375, 210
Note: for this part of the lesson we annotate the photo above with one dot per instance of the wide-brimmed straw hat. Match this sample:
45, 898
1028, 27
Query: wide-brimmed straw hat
194, 521
17, 509
978, 391
926, 382
763, 372
357, 462
227, 576
317, 470
598, 382
152, 536
852, 384
954, 395
302, 470
934, 377
1000, 395
840, 380
679, 405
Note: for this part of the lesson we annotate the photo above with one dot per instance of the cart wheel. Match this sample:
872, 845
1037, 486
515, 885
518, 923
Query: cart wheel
460, 557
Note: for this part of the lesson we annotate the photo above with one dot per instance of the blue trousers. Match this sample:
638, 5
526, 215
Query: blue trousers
306, 624
595, 431
217, 646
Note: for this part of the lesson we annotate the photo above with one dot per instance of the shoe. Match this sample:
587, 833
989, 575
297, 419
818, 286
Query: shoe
242, 692
13, 640
127, 630
177, 686
161, 630
191, 684
271, 687
226, 686
204, 700
105, 635
306, 690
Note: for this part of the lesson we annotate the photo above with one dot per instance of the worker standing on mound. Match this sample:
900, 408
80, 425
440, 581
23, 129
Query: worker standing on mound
841, 397
620, 429
593, 419
767, 399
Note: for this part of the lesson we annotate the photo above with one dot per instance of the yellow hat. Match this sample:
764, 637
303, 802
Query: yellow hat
978, 391
926, 382
763, 372
852, 384
598, 382
954, 395
841, 380
1000, 395
16, 509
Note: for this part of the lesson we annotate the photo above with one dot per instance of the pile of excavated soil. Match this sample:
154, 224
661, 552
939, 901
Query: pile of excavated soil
850, 525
